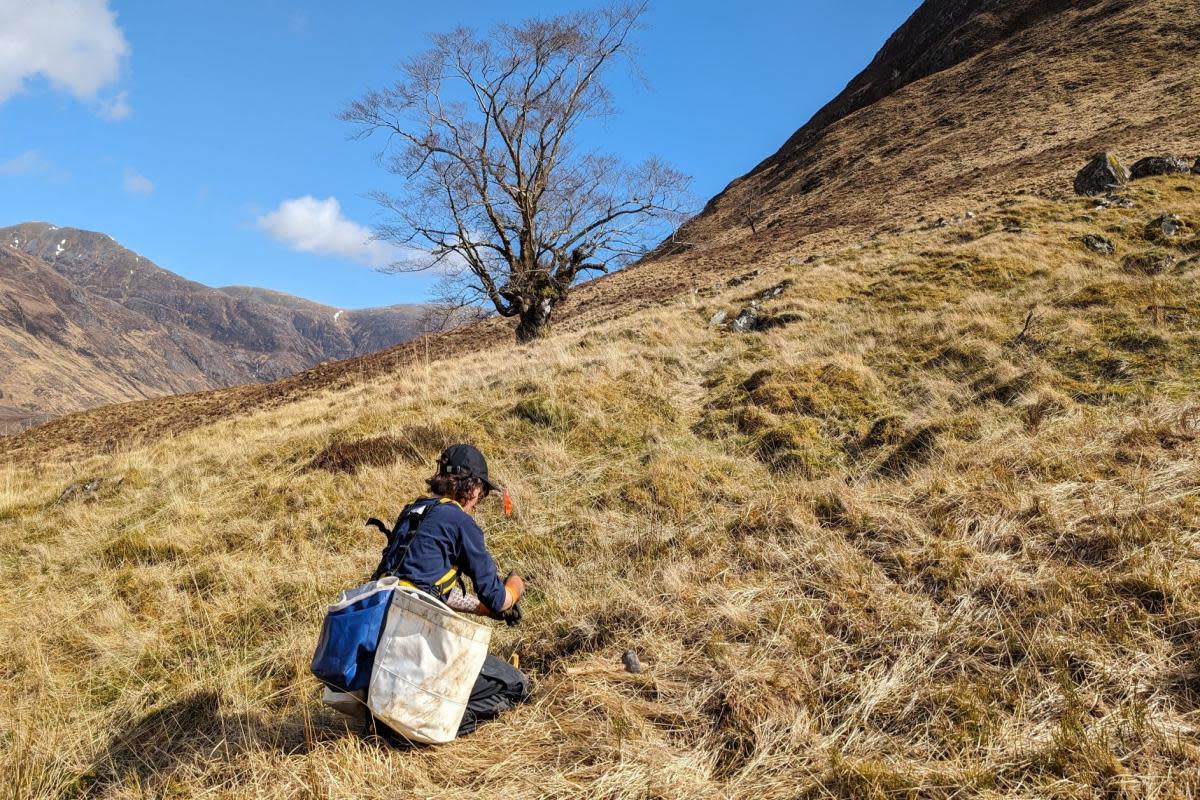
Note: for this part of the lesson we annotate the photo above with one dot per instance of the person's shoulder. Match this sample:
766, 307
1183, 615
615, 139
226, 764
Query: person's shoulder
452, 513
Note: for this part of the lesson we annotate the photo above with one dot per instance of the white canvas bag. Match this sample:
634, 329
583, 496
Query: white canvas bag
425, 667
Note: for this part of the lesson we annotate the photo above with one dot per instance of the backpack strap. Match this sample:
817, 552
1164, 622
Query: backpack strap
398, 537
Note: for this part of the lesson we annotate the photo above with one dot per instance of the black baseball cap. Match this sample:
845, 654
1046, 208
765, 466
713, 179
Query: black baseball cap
466, 460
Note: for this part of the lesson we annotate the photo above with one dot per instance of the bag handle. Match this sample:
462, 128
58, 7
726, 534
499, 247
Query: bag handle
434, 601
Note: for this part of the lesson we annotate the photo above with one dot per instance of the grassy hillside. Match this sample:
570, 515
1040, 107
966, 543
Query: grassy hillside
908, 540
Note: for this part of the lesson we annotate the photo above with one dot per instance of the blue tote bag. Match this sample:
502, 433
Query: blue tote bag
350, 636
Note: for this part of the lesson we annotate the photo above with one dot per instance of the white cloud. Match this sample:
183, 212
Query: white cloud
318, 226
30, 162
115, 108
74, 44
136, 183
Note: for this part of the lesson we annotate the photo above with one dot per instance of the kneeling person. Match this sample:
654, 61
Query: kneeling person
448, 544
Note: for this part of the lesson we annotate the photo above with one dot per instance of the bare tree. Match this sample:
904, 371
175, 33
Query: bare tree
497, 191
749, 209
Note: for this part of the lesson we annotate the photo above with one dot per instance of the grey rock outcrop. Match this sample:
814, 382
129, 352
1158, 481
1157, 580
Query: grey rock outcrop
1159, 165
1098, 244
1167, 226
746, 320
1102, 174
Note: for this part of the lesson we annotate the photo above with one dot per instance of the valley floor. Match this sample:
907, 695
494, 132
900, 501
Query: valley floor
932, 530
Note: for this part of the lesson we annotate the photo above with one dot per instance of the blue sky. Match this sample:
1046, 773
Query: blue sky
189, 131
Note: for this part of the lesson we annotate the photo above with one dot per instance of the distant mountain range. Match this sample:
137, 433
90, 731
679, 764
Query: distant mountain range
86, 322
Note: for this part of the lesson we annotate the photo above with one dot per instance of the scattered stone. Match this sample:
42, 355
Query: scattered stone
970, 215
1196, 167
813, 259
86, 490
630, 659
1098, 244
941, 222
1114, 201
746, 320
1168, 226
740, 279
1158, 165
1102, 174
775, 290
718, 318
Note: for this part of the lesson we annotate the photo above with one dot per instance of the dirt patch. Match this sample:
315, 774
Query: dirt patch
352, 456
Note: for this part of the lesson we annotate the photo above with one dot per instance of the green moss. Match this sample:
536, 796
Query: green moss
842, 399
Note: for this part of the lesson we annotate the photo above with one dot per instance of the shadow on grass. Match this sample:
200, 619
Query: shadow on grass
195, 734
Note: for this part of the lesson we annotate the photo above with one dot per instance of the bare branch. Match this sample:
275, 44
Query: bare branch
496, 194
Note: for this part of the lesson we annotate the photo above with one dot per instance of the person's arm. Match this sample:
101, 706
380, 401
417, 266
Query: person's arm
514, 587
495, 595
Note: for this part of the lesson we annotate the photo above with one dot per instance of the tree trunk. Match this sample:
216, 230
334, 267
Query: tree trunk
535, 320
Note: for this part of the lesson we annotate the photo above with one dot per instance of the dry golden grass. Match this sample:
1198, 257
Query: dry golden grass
901, 545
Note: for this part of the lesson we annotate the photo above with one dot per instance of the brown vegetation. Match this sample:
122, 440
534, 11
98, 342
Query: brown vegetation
921, 543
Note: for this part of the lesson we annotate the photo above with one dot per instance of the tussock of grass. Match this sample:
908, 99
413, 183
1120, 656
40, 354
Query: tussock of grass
916, 543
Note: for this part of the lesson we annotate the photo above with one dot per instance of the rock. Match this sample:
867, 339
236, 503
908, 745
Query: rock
717, 318
86, 490
1167, 226
1098, 244
630, 659
1158, 165
1196, 167
774, 291
941, 222
1114, 201
970, 215
1102, 174
746, 320
740, 279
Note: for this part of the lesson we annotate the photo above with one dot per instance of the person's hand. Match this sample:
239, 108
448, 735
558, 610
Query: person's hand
512, 616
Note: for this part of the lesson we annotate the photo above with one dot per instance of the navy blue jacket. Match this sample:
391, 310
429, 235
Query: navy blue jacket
448, 538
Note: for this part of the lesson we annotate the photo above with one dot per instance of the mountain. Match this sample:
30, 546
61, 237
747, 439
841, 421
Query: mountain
87, 322
922, 523
973, 100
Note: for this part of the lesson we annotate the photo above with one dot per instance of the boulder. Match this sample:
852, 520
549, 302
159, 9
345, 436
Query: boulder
1159, 165
1168, 226
1103, 173
746, 320
1098, 244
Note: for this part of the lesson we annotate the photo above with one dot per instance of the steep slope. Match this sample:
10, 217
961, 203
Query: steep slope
932, 531
929, 530
188, 336
367, 329
64, 348
972, 99
971, 102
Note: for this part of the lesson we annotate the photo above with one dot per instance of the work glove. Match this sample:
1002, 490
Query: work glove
512, 616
